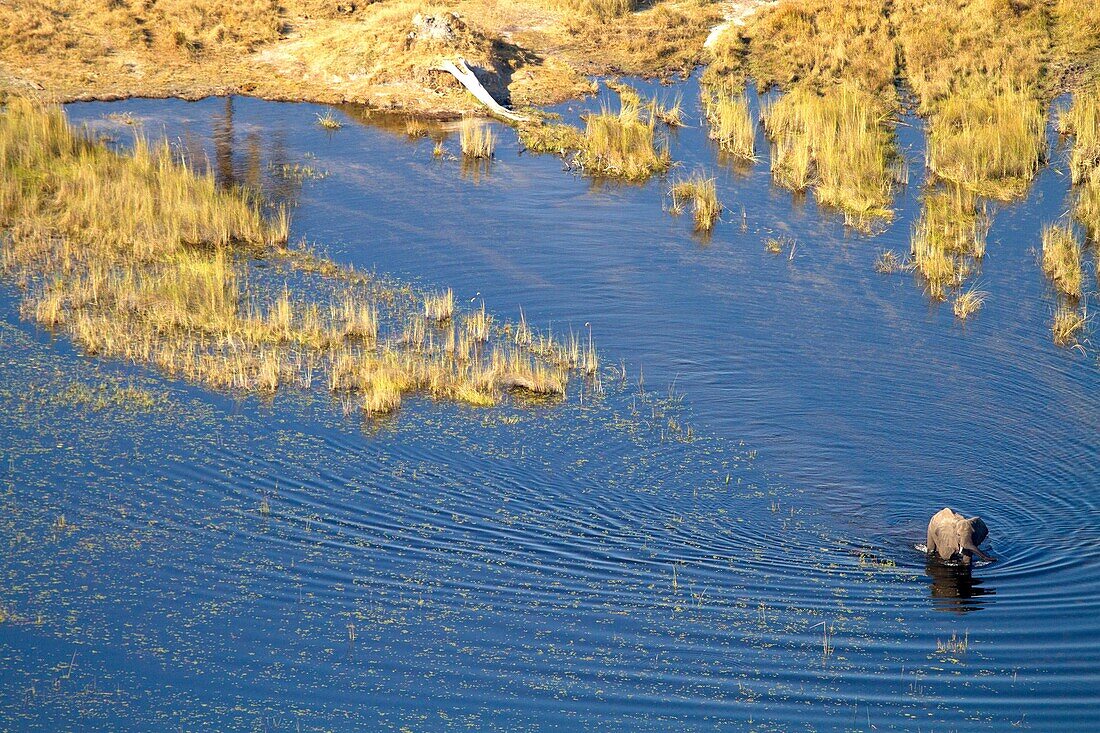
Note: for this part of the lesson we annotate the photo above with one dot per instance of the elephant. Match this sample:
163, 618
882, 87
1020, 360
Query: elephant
950, 534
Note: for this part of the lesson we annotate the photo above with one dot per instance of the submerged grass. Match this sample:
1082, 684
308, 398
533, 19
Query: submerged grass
948, 239
141, 257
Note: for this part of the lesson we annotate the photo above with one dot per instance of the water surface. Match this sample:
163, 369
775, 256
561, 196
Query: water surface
240, 565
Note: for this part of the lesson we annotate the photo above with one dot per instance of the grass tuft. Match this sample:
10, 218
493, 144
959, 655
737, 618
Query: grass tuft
731, 123
1068, 322
477, 140
1062, 259
702, 194
329, 121
968, 303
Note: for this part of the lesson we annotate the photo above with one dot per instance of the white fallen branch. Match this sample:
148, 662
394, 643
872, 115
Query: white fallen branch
468, 79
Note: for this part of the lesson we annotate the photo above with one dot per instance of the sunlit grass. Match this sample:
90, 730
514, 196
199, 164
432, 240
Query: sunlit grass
731, 122
476, 139
329, 121
948, 239
139, 257
838, 143
702, 196
1068, 322
623, 144
991, 144
967, 303
1062, 259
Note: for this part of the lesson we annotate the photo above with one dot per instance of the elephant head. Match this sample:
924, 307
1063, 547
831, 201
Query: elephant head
950, 534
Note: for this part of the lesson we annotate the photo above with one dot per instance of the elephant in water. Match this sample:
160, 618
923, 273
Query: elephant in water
950, 534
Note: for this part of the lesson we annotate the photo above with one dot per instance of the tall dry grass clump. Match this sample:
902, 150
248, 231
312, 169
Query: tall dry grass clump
1062, 259
992, 144
948, 239
702, 195
477, 139
623, 144
838, 143
818, 43
731, 122
1082, 121
139, 257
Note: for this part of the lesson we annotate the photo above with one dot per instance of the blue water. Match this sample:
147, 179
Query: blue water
232, 564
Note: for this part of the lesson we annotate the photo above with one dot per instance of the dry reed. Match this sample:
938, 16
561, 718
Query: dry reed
139, 257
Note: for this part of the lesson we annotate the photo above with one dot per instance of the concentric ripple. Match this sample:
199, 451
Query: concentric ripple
207, 564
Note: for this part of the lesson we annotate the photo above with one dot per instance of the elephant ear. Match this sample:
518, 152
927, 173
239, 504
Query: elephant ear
978, 530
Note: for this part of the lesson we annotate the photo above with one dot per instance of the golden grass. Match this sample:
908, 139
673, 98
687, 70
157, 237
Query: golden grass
967, 303
439, 307
888, 262
948, 239
602, 9
623, 144
1062, 259
1082, 121
991, 144
477, 139
838, 143
415, 128
329, 121
818, 43
1068, 322
551, 137
731, 122
972, 47
701, 193
139, 257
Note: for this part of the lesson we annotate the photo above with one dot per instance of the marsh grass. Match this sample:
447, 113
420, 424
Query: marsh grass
992, 144
1067, 323
967, 303
702, 195
415, 128
551, 137
1082, 121
1062, 261
731, 122
948, 240
329, 121
837, 142
139, 257
888, 262
477, 140
623, 144
439, 307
